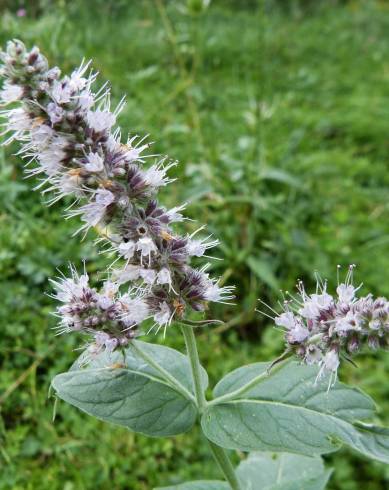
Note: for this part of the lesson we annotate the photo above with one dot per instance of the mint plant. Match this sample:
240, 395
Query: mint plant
285, 413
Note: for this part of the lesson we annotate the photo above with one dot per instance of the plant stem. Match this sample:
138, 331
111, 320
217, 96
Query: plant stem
219, 453
225, 465
172, 381
191, 348
245, 388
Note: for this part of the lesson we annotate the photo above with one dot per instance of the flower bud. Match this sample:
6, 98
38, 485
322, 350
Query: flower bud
353, 345
373, 342
300, 351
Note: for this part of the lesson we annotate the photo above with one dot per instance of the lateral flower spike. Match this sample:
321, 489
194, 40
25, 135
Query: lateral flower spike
321, 328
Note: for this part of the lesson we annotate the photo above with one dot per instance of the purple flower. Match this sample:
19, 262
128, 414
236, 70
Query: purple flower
320, 327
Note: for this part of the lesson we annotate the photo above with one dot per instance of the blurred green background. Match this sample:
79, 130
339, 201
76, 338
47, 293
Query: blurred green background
279, 114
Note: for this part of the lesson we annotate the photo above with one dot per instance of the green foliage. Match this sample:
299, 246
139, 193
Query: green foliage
279, 118
291, 410
199, 485
283, 472
123, 389
267, 471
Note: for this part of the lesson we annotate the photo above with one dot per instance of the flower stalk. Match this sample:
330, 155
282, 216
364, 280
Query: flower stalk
193, 355
225, 465
233, 395
218, 452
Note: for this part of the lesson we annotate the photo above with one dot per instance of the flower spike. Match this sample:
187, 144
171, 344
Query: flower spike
70, 139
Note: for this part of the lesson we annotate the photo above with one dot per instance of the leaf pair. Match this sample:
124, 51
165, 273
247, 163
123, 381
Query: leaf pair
150, 390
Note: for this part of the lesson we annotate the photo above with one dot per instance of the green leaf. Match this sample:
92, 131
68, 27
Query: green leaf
198, 485
289, 411
126, 390
318, 482
282, 471
264, 272
281, 176
269, 471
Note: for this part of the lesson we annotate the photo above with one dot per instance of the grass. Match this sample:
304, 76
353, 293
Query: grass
279, 118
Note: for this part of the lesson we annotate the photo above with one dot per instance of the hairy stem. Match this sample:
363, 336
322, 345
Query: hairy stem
225, 465
219, 453
191, 347
245, 388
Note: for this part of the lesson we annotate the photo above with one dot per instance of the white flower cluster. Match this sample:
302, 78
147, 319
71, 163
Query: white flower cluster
108, 316
69, 138
320, 328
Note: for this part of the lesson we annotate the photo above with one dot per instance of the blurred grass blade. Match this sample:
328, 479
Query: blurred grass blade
263, 271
